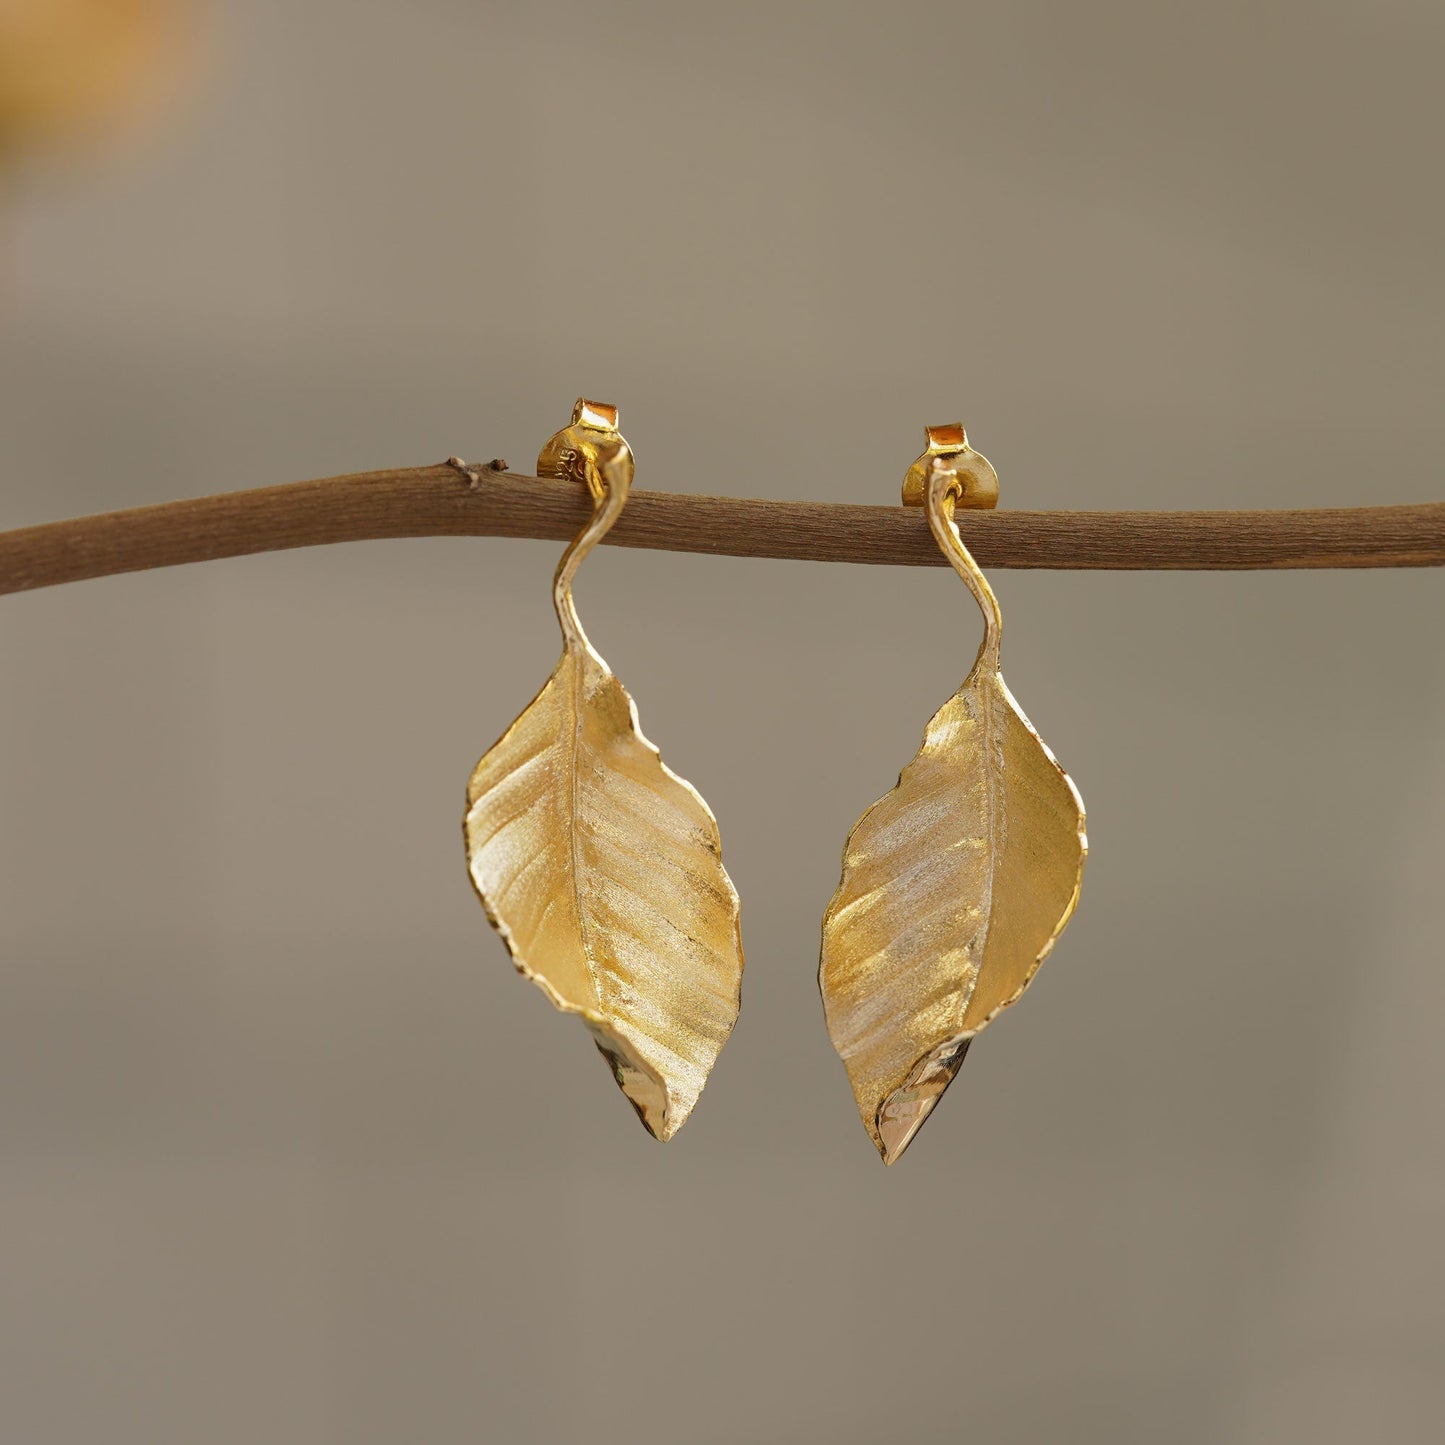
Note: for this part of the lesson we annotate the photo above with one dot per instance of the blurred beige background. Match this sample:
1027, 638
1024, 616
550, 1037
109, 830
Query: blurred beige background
289, 1154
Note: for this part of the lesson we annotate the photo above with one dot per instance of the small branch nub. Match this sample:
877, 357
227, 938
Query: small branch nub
473, 472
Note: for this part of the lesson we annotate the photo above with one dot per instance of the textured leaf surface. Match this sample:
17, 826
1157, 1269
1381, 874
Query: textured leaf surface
955, 886
601, 870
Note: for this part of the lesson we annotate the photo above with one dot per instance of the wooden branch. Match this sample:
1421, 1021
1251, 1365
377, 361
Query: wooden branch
439, 501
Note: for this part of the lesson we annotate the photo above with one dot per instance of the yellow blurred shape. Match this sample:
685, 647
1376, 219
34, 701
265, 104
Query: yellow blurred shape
69, 68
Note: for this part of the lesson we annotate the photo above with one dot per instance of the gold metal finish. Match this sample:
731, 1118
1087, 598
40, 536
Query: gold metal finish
571, 455
978, 482
957, 883
599, 867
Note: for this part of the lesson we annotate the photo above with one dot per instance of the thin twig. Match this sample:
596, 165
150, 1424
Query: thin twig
453, 499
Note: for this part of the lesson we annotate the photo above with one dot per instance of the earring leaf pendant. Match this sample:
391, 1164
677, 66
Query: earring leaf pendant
958, 883
599, 867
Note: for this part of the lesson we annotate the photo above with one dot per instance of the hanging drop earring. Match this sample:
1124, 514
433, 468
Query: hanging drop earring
599, 867
957, 883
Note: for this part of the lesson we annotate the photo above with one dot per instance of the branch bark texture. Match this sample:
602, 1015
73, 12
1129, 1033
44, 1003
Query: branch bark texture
443, 501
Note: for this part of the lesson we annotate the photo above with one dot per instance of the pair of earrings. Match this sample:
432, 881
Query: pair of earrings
601, 868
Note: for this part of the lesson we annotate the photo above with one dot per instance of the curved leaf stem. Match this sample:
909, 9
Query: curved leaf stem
616, 483
942, 495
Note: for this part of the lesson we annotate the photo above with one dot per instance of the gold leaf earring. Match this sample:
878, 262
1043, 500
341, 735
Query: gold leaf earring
958, 883
600, 868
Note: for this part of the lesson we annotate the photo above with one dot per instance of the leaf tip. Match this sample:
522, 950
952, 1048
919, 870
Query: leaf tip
662, 1109
905, 1111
